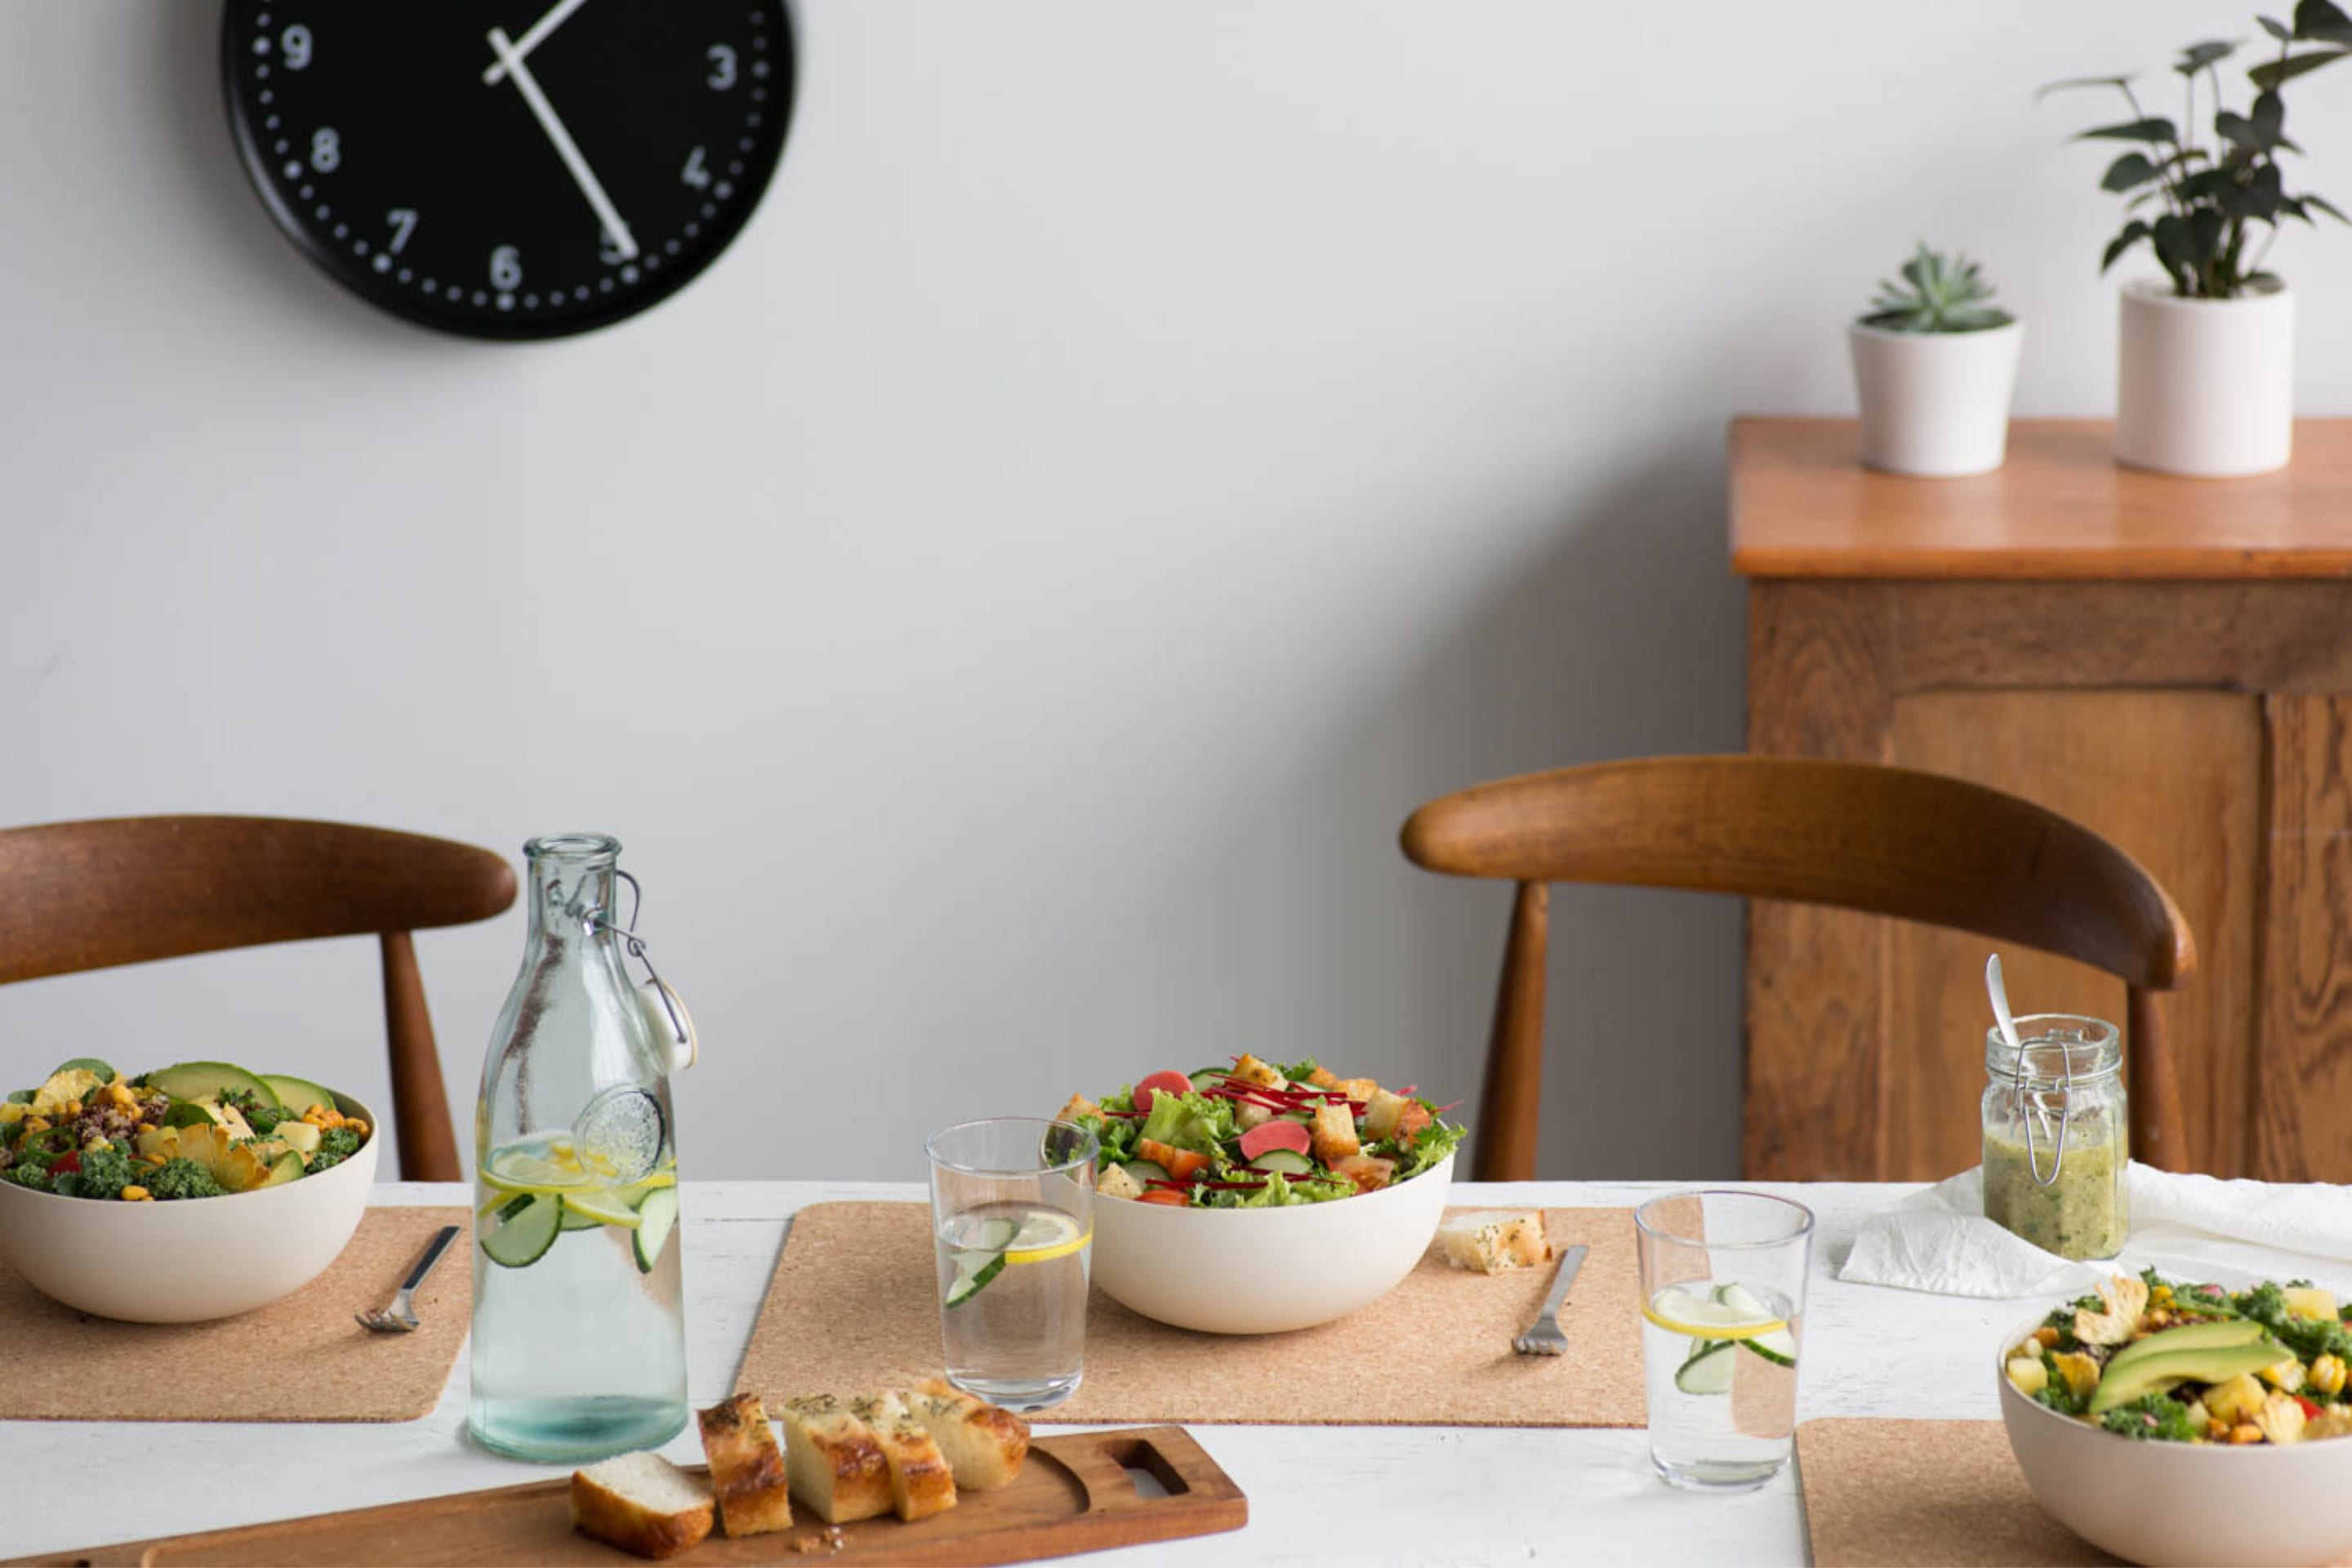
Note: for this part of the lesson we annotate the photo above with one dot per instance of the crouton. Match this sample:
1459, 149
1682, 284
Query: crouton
1246, 1115
747, 1467
984, 1446
1116, 1183
922, 1483
1380, 1113
1411, 1120
1335, 1133
1359, 1089
1079, 1105
834, 1465
1369, 1171
1491, 1243
641, 1503
1249, 1070
1322, 1077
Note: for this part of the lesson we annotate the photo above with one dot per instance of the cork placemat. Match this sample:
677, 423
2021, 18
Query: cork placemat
302, 1359
1925, 1494
852, 1306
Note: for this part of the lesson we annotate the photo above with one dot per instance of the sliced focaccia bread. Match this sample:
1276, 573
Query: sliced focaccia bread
747, 1467
921, 1483
641, 1503
984, 1444
1491, 1242
836, 1466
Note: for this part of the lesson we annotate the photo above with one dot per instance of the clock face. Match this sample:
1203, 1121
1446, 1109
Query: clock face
514, 168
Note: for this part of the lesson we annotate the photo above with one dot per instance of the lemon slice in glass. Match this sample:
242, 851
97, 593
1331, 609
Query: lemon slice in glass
1045, 1235
1681, 1311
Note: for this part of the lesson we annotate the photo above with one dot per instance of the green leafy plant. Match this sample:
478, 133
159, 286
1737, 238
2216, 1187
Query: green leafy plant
1945, 295
2211, 196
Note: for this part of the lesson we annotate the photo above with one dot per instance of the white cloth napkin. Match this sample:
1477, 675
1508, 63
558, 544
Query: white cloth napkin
1939, 1240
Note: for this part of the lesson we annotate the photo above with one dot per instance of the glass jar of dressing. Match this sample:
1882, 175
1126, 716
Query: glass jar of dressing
2057, 1135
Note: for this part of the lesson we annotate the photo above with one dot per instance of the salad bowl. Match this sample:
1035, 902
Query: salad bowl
1266, 1270
2161, 1503
190, 1261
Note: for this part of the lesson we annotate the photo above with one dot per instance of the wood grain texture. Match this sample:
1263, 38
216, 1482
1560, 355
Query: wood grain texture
1074, 1494
2174, 778
1803, 506
95, 895
1855, 836
1509, 1124
2303, 1123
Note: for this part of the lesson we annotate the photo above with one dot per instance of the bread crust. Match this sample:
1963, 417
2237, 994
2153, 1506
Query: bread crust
747, 1467
984, 1446
922, 1483
834, 1465
1335, 1133
630, 1525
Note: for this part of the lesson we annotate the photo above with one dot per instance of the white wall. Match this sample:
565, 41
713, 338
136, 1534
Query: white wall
1135, 454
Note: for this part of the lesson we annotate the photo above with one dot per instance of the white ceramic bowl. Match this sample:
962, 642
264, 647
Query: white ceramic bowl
2166, 1503
1264, 1271
190, 1260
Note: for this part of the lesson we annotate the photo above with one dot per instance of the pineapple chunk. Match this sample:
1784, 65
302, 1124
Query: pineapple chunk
2333, 1421
2310, 1301
160, 1143
62, 1089
2126, 1299
2027, 1374
2236, 1400
14, 1111
2280, 1419
2081, 1373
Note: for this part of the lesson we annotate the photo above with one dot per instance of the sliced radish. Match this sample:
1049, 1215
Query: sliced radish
1173, 1082
1275, 1134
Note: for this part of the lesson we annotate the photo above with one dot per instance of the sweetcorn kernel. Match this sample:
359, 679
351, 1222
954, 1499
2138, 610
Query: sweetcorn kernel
356, 1125
146, 1127
2047, 1336
2245, 1432
135, 1193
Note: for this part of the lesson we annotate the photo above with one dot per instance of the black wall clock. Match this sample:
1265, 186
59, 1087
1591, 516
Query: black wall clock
514, 168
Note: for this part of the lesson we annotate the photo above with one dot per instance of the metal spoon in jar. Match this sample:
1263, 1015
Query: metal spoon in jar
1998, 992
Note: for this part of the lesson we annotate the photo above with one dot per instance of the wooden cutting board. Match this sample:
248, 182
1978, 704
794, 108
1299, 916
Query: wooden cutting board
1077, 1493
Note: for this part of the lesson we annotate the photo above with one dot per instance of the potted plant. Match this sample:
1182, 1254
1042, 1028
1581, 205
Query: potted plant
2205, 379
1935, 363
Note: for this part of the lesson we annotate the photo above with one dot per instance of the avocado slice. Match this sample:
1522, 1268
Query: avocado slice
285, 1167
298, 1094
210, 1080
2189, 1336
2162, 1369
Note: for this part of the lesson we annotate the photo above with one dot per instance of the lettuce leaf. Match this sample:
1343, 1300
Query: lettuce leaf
1191, 1121
1435, 1141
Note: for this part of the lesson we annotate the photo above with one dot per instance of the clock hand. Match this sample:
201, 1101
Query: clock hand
531, 41
565, 148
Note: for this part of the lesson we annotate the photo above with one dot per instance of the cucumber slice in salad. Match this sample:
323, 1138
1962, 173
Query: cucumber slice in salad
1208, 1078
526, 1229
1146, 1169
1289, 1161
656, 1217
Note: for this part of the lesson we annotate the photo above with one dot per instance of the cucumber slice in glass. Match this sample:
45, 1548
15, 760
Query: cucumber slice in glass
967, 1284
1778, 1347
1708, 1369
656, 1216
524, 1234
992, 1234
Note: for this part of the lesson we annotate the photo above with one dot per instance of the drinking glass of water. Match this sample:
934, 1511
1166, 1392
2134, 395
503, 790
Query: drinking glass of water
1723, 1302
1012, 1226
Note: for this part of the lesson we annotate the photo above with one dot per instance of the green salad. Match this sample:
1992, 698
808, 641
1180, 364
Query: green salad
2165, 1361
1256, 1135
196, 1130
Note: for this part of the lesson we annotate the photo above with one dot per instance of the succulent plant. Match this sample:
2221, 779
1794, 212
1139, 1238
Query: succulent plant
1945, 296
2206, 198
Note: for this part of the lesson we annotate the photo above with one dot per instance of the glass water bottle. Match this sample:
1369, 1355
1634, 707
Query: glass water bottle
579, 1344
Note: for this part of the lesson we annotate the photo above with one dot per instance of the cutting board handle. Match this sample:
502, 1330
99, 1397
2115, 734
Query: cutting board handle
1102, 1460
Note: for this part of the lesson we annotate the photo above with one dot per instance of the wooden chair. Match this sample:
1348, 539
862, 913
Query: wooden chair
76, 896
1887, 841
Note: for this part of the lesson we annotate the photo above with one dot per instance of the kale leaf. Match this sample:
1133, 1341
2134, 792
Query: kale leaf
2153, 1418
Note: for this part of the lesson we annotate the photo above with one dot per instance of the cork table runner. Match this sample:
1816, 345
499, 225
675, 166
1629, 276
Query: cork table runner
302, 1359
853, 1306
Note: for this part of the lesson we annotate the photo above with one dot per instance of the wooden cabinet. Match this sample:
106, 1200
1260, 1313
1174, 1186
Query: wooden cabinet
2167, 661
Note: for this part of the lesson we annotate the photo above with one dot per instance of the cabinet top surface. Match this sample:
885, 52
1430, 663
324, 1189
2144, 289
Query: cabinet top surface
1803, 506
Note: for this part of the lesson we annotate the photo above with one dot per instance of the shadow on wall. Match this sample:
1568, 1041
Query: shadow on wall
1619, 634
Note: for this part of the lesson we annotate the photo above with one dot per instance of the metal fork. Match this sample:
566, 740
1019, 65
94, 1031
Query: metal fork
1545, 1338
399, 1316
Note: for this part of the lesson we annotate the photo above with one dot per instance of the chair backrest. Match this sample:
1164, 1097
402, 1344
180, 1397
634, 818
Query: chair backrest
93, 895
1888, 841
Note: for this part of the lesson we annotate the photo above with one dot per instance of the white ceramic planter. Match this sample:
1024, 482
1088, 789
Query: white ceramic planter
1934, 403
2205, 386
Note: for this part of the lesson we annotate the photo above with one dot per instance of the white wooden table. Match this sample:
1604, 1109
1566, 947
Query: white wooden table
1366, 1494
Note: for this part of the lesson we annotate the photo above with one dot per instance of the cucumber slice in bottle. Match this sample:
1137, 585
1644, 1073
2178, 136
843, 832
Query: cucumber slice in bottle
1708, 1369
574, 1220
1146, 1169
1289, 1161
524, 1234
656, 1217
